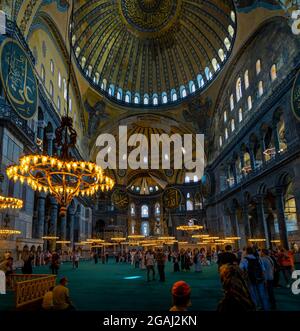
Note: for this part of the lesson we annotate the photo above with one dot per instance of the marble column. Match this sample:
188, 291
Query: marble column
263, 147
252, 158
234, 173
281, 217
71, 218
63, 227
260, 209
235, 224
40, 132
53, 220
41, 202
276, 139
246, 221
242, 163
50, 137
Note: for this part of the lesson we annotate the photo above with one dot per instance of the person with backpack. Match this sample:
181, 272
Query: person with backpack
269, 266
254, 271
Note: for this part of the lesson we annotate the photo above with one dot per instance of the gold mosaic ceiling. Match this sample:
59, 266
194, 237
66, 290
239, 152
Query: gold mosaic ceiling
152, 52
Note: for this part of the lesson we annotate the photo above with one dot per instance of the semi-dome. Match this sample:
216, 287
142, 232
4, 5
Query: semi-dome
152, 52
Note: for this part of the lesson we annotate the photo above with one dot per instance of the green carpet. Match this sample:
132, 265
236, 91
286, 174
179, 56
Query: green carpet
104, 287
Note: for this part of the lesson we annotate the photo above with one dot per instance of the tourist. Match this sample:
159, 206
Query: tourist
61, 297
198, 260
136, 259
75, 258
187, 260
27, 258
176, 258
227, 257
269, 276
286, 262
95, 257
47, 303
237, 297
181, 295
161, 260
182, 259
149, 263
254, 271
55, 262
296, 254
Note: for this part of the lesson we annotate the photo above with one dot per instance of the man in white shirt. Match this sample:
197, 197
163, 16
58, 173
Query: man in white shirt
149, 262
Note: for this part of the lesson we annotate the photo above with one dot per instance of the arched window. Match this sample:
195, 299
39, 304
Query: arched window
227, 43
136, 98
231, 30
132, 209
226, 133
232, 125
215, 64
43, 74
73, 39
200, 81
260, 88
58, 104
65, 89
111, 89
70, 105
220, 141
145, 229
249, 102
59, 80
164, 97
225, 116
155, 99
208, 73
145, 211
183, 93
90, 68
52, 66
221, 54
258, 67
83, 61
246, 77
104, 84
238, 88
232, 16
119, 94
173, 95
127, 97
157, 209
273, 72
231, 102
51, 89
77, 52
97, 78
146, 99
189, 202
187, 179
192, 86
240, 115
196, 179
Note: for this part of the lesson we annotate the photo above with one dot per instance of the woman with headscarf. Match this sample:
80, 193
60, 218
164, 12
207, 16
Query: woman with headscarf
236, 293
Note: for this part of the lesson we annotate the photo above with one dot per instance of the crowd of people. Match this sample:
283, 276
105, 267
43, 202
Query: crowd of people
248, 276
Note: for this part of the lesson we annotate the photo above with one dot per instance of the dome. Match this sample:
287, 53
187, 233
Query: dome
152, 52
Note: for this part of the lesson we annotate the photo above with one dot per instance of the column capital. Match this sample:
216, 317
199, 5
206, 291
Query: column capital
41, 124
41, 195
71, 211
279, 190
50, 135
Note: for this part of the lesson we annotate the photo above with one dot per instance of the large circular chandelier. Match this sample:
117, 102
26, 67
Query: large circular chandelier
6, 230
62, 176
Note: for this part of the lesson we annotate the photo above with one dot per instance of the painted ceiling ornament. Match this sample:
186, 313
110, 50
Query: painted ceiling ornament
150, 18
